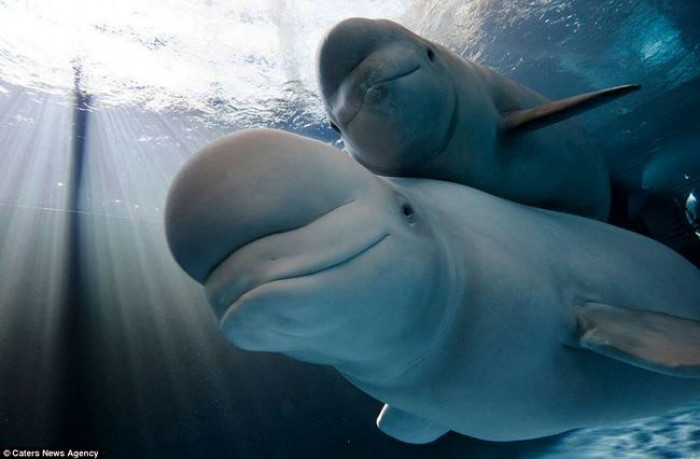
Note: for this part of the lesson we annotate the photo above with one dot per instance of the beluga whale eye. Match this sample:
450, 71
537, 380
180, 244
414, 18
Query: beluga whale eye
335, 127
405, 208
408, 212
431, 54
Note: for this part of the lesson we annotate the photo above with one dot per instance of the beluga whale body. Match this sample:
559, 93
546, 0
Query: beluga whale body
460, 310
408, 107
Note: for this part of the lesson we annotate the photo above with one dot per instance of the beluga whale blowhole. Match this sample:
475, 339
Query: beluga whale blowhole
459, 310
409, 107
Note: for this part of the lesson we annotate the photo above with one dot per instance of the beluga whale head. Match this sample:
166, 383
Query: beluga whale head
408, 107
388, 93
303, 251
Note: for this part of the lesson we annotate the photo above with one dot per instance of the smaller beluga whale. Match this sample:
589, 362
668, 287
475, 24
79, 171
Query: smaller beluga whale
459, 310
409, 107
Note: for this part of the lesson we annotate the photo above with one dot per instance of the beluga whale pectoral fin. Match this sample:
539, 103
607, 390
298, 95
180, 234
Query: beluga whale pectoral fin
522, 121
408, 427
654, 341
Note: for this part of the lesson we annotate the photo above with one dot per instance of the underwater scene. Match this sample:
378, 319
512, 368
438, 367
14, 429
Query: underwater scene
320, 229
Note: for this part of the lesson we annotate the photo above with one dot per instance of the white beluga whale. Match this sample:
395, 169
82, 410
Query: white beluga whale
408, 107
460, 310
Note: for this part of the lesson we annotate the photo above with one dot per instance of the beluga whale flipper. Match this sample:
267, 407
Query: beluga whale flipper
459, 310
408, 107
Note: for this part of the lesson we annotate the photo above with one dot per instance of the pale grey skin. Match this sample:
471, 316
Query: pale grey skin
455, 307
412, 108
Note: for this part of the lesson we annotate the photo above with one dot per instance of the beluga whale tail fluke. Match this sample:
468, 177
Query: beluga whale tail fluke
409, 107
422, 292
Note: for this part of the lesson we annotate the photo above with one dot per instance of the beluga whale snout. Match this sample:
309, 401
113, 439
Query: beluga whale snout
409, 107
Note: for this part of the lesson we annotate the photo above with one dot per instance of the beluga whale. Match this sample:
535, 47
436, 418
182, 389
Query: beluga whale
458, 309
406, 106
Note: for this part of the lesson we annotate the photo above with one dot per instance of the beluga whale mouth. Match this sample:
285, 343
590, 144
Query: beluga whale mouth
363, 87
302, 252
